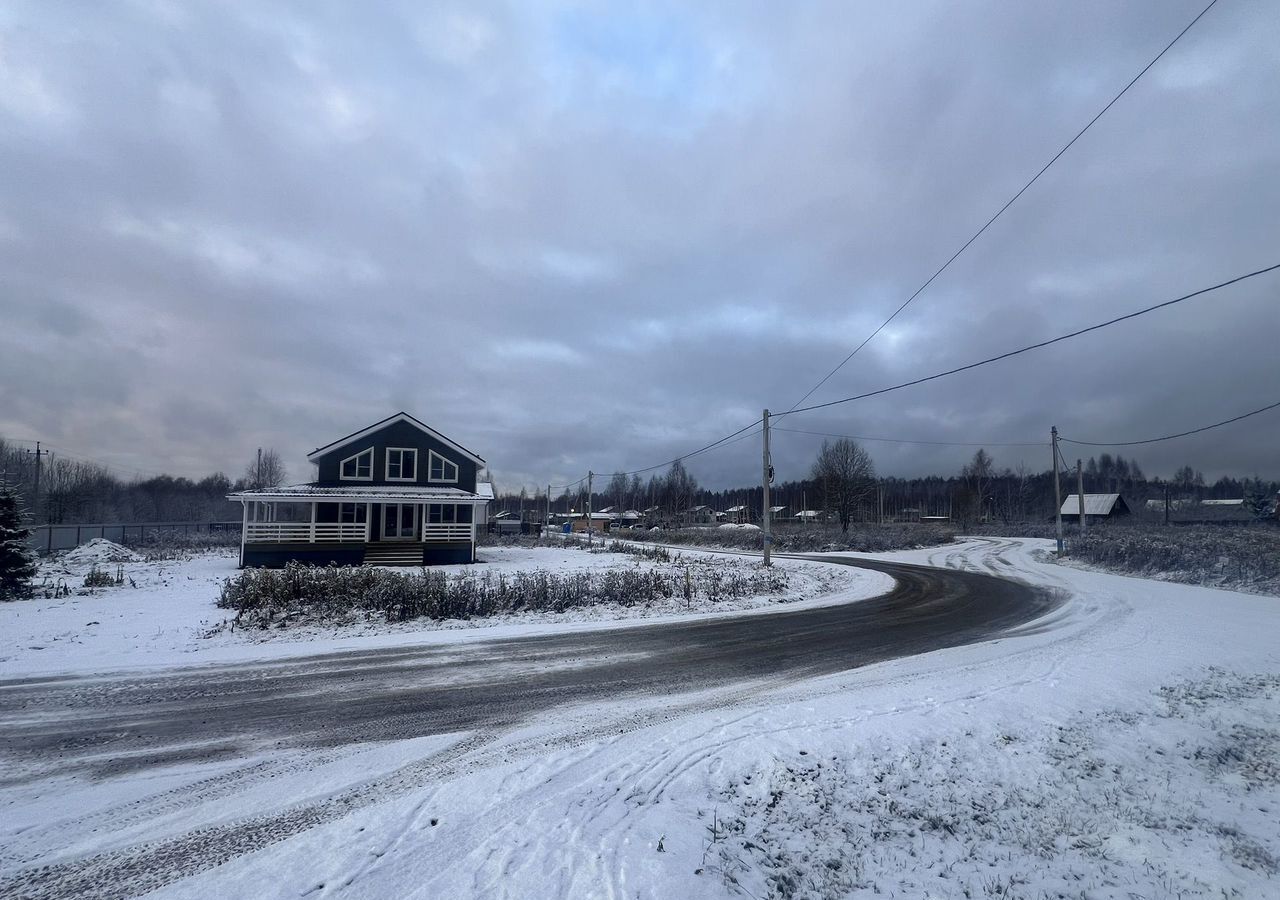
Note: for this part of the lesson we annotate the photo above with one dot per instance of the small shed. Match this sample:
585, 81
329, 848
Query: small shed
738, 515
1097, 507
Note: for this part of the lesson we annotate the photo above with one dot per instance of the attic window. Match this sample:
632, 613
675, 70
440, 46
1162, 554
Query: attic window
402, 464
442, 469
358, 467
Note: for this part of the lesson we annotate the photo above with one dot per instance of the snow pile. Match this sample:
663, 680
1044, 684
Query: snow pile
744, 526
99, 551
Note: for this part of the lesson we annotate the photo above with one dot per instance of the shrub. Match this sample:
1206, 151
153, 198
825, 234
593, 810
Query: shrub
265, 597
815, 539
1243, 557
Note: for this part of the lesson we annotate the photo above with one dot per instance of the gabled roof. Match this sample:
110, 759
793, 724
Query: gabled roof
734, 509
391, 420
1094, 504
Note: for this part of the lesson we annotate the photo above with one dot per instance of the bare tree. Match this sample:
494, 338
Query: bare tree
847, 476
265, 470
679, 488
617, 492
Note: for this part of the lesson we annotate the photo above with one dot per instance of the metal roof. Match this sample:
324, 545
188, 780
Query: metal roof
367, 493
1094, 504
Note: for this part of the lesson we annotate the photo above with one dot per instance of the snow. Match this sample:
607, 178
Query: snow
165, 615
1124, 746
97, 552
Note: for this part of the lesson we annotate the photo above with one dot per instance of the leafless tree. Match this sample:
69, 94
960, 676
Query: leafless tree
847, 475
266, 471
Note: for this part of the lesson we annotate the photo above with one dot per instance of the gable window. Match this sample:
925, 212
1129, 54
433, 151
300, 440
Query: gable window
402, 464
358, 467
441, 468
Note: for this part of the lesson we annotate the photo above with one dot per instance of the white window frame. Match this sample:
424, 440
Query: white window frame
342, 476
402, 451
432, 456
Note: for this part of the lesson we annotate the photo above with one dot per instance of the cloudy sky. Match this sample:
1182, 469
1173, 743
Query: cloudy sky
588, 235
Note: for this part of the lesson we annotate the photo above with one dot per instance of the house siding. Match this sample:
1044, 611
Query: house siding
397, 434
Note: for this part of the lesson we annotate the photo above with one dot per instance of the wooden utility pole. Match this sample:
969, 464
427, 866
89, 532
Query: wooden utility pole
1166, 503
35, 493
766, 479
1080, 492
258, 480
548, 507
1057, 486
590, 480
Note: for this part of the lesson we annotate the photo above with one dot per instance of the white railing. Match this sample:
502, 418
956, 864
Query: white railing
304, 532
446, 532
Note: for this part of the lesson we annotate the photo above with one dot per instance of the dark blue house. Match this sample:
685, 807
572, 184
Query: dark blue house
395, 493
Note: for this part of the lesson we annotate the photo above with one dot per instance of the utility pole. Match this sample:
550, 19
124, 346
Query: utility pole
35, 493
1166, 503
548, 507
879, 502
1080, 492
767, 479
1057, 486
257, 482
590, 479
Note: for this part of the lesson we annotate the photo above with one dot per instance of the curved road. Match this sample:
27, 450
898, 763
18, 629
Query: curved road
105, 726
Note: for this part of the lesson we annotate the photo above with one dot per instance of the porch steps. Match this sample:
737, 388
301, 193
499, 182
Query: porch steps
390, 554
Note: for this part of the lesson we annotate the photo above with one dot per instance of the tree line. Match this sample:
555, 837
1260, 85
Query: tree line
843, 484
73, 491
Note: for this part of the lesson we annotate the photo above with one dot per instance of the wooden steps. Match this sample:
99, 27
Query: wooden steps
390, 553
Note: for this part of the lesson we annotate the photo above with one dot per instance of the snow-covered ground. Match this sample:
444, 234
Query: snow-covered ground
165, 613
1126, 746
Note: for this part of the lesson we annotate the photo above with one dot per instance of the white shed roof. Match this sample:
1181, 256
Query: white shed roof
1094, 504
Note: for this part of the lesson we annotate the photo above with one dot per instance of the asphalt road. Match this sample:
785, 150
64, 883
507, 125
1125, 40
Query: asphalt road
101, 727
110, 725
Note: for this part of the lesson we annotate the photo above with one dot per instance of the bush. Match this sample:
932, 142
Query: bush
97, 578
296, 593
1246, 557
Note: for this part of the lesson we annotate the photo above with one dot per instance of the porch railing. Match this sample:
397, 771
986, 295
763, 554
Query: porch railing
335, 532
305, 532
446, 532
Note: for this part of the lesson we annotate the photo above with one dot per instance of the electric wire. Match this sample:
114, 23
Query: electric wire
1169, 437
965, 246
1040, 344
857, 437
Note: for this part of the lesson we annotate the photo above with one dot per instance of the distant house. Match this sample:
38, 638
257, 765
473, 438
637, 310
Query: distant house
699, 515
396, 493
808, 516
597, 521
631, 517
1183, 511
738, 515
1097, 507
777, 511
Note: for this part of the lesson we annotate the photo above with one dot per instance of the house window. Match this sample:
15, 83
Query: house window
358, 467
449, 514
402, 464
353, 513
441, 468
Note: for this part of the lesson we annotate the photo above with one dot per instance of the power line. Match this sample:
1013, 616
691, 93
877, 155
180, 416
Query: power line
856, 437
1169, 437
1041, 344
965, 246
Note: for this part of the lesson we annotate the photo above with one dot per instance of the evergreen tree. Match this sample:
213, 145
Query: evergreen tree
17, 559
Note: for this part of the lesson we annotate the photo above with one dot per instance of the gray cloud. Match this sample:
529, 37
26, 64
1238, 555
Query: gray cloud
575, 236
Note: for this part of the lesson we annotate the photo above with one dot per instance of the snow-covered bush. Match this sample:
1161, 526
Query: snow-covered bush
298, 593
1246, 558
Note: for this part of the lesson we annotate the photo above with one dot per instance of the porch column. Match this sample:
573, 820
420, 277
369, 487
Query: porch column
313, 521
368, 522
244, 529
